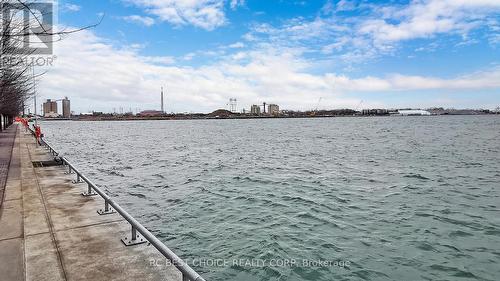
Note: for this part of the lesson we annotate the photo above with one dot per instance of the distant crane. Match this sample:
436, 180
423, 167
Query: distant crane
315, 110
359, 105
317, 105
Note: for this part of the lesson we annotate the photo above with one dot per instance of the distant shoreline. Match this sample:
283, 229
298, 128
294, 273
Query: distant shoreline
97, 118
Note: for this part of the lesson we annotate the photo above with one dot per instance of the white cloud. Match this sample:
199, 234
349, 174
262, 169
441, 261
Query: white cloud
71, 7
96, 75
495, 39
489, 79
159, 60
427, 18
206, 14
235, 3
189, 56
237, 45
345, 5
146, 21
338, 45
239, 56
380, 29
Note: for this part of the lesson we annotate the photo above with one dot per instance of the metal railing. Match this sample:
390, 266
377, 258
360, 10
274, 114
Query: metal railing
139, 234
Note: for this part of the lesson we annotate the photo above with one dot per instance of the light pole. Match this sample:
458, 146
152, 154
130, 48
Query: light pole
34, 92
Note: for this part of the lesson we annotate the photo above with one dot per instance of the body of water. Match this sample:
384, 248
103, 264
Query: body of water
390, 198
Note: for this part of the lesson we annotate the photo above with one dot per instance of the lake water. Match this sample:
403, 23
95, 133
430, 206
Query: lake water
390, 198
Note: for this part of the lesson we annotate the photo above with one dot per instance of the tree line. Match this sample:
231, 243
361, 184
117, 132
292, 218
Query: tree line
21, 22
16, 83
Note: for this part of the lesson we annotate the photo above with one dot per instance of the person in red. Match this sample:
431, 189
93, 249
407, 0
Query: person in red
38, 134
25, 123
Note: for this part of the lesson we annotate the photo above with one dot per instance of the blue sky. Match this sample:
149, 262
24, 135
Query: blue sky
349, 53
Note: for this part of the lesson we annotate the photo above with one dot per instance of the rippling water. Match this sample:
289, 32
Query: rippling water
402, 198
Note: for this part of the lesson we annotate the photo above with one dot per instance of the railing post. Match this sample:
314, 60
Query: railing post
107, 210
90, 191
134, 233
78, 179
134, 239
70, 171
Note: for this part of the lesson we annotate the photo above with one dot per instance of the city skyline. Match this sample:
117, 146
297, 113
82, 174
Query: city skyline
400, 54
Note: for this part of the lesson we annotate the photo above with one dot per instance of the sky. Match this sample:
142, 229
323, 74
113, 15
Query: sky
301, 55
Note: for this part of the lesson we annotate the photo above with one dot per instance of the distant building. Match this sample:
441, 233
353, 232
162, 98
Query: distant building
66, 107
273, 109
255, 109
375, 112
232, 104
413, 112
50, 108
150, 113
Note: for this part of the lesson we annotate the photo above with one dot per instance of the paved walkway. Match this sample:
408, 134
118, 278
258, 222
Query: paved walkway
6, 143
50, 232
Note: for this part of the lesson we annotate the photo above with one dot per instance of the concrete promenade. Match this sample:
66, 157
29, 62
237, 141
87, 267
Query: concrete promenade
49, 231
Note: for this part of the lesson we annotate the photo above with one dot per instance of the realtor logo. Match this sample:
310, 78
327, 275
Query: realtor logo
27, 27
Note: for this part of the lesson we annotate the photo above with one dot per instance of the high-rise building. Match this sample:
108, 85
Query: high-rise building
50, 108
232, 104
273, 109
66, 107
255, 109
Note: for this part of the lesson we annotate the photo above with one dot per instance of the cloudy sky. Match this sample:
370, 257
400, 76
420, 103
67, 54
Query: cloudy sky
298, 54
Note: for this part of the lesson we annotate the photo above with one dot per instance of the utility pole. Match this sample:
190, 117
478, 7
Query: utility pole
34, 91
